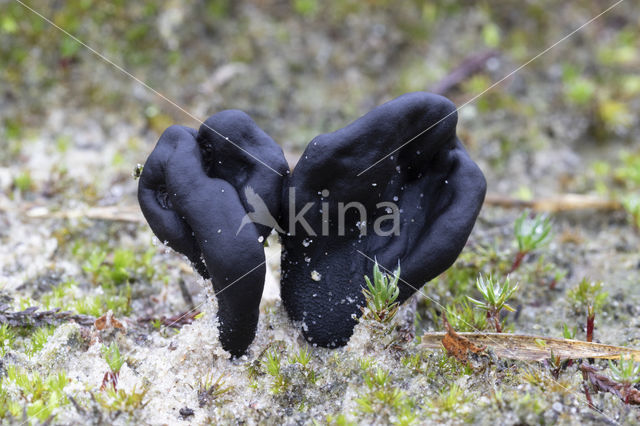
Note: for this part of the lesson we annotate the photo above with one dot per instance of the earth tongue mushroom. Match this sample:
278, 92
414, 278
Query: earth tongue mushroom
396, 185
194, 192
343, 208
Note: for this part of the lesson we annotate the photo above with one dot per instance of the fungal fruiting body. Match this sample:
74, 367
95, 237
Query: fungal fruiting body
192, 191
416, 207
396, 185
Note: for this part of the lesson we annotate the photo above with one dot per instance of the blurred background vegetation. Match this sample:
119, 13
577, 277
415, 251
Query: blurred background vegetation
303, 67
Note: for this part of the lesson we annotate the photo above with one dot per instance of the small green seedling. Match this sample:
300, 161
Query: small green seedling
495, 298
626, 372
115, 362
557, 364
112, 356
381, 295
569, 333
531, 234
588, 294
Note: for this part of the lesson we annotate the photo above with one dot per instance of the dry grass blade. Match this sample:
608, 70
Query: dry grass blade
112, 213
557, 203
535, 348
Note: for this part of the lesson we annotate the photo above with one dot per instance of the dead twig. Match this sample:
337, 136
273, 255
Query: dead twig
175, 321
31, 317
627, 393
558, 203
471, 65
132, 214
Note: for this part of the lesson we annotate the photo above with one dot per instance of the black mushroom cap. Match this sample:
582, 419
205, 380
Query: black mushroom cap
193, 192
437, 189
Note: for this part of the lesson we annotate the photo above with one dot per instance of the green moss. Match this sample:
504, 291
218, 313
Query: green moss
303, 359
631, 204
621, 182
120, 267
210, 390
383, 401
271, 362
23, 182
463, 317
38, 339
448, 400
579, 89
40, 396
306, 7
91, 305
627, 173
7, 339
338, 420
61, 296
114, 271
120, 400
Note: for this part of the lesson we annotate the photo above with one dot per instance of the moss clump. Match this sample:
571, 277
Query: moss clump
121, 401
41, 397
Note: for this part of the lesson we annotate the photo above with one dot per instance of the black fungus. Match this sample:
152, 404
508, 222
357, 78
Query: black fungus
418, 207
195, 191
395, 186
